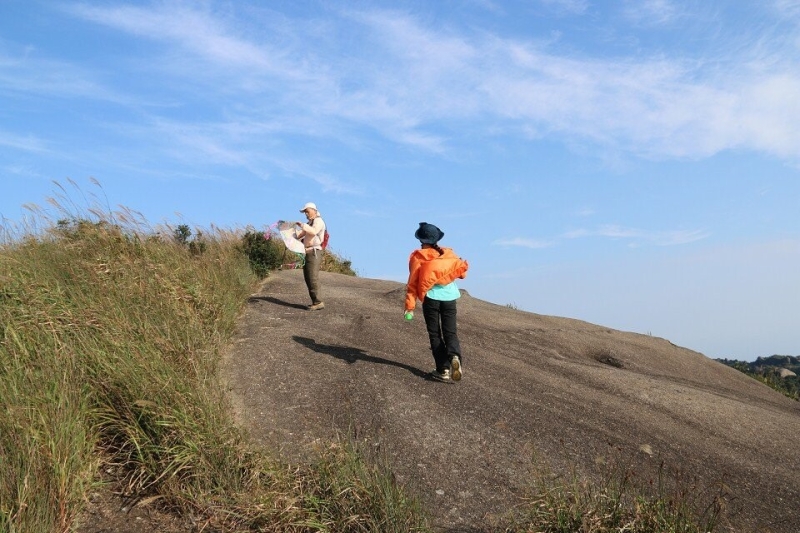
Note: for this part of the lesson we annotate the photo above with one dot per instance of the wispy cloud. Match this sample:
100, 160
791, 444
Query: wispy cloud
569, 6
232, 145
22, 172
521, 242
415, 83
788, 8
639, 236
514, 274
25, 143
196, 30
651, 12
26, 75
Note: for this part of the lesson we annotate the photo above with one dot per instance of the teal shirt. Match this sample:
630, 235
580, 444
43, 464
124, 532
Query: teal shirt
444, 293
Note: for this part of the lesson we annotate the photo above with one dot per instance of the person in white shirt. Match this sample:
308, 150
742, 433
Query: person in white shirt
312, 234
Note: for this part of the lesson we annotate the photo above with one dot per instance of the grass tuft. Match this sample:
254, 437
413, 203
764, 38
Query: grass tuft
618, 500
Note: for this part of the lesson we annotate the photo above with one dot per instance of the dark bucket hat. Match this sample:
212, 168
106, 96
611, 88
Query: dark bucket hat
428, 233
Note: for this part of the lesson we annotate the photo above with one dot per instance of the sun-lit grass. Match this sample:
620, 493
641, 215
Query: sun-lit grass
619, 499
111, 340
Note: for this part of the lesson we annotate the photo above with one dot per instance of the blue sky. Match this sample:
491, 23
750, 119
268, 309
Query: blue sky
635, 164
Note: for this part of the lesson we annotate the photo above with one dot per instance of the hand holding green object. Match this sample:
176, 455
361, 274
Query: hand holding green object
409, 315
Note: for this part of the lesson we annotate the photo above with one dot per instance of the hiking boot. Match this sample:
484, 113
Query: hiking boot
443, 376
455, 365
317, 306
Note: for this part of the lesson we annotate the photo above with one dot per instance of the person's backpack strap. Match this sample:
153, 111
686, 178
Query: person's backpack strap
325, 238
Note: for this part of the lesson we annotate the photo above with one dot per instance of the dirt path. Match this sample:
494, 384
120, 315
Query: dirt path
565, 391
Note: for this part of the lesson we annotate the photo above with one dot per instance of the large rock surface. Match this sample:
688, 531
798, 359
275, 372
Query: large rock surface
537, 390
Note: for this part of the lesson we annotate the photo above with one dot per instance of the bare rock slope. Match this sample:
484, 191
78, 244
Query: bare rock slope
536, 389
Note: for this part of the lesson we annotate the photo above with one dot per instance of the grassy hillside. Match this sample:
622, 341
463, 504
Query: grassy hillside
109, 354
110, 345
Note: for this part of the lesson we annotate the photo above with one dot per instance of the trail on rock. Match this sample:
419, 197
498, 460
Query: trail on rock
537, 390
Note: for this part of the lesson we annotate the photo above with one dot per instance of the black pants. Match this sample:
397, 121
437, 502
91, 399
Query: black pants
311, 274
440, 320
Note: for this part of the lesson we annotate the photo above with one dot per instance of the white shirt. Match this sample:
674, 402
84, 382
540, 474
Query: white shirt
313, 234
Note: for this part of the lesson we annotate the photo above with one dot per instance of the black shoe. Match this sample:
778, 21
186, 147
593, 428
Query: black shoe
443, 376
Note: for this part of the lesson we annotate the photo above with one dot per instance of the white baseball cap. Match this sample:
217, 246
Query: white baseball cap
309, 205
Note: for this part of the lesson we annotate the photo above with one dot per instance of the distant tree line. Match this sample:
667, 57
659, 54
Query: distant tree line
772, 372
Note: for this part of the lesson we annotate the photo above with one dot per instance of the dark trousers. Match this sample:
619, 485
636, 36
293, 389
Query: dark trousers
440, 320
311, 274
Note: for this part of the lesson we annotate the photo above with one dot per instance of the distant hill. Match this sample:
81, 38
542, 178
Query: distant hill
782, 361
781, 372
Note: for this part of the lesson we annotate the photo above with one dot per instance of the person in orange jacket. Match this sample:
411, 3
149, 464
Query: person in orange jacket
432, 275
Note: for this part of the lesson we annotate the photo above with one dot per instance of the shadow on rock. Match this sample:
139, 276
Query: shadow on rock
350, 355
276, 301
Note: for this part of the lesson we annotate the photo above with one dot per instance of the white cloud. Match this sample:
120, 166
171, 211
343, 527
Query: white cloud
769, 113
229, 144
28, 74
637, 236
25, 143
670, 238
569, 6
788, 8
416, 84
650, 12
201, 32
22, 172
656, 107
522, 243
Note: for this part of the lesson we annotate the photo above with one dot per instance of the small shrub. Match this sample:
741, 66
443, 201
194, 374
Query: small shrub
183, 236
332, 262
264, 251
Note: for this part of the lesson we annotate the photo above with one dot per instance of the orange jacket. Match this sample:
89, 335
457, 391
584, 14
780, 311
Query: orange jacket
427, 268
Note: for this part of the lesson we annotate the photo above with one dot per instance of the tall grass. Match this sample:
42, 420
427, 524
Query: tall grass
111, 336
619, 499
